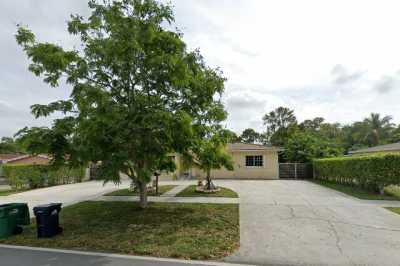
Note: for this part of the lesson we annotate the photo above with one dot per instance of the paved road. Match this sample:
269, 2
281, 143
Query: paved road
287, 222
25, 257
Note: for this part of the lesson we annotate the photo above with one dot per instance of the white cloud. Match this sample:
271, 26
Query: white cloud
272, 52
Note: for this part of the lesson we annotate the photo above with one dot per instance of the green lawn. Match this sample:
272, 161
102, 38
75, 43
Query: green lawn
10, 192
355, 191
394, 209
190, 191
127, 192
178, 230
7, 192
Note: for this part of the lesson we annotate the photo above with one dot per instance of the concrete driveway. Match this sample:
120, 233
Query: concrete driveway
66, 194
287, 222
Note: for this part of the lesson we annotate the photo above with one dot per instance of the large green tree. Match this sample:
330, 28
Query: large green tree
312, 124
305, 146
379, 128
249, 135
395, 136
137, 92
7, 145
373, 130
280, 123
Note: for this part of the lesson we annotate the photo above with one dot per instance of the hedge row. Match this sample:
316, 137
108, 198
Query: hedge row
36, 176
373, 172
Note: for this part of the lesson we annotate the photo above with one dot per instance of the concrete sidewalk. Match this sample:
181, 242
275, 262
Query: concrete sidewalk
170, 196
217, 200
18, 256
176, 190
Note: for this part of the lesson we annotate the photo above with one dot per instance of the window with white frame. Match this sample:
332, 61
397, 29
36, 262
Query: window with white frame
254, 161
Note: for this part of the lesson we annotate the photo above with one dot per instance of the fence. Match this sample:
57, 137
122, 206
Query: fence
295, 170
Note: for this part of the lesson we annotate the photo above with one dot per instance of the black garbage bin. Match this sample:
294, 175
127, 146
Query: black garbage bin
47, 220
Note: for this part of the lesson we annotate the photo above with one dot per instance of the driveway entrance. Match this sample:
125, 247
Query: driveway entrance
288, 222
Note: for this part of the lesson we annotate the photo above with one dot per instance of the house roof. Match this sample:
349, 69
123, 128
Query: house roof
239, 146
381, 148
17, 157
9, 156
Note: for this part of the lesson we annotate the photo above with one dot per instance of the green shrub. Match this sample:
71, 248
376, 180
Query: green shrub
392, 190
36, 176
373, 172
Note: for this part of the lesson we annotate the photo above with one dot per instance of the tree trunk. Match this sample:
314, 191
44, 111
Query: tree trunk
209, 184
143, 194
157, 185
382, 190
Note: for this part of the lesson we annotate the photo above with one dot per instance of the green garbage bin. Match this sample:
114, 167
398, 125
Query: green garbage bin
8, 220
23, 217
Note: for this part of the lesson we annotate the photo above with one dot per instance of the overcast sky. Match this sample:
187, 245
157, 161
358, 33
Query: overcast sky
335, 59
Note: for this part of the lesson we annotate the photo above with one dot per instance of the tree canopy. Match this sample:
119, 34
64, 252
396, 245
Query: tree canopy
9, 145
137, 92
280, 124
316, 138
304, 146
249, 135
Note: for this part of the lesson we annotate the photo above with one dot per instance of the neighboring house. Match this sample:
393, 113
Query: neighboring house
22, 159
7, 156
388, 148
251, 161
25, 159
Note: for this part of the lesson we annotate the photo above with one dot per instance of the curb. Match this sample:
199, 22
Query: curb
120, 256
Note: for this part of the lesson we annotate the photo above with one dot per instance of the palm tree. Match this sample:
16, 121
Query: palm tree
379, 128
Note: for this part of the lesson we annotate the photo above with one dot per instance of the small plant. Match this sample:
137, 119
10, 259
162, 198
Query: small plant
210, 153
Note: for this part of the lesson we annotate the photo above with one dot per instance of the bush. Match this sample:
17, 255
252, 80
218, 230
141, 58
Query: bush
372, 172
36, 176
393, 190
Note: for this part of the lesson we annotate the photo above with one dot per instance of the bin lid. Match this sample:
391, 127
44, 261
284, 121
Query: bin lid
49, 205
7, 206
14, 204
8, 209
47, 208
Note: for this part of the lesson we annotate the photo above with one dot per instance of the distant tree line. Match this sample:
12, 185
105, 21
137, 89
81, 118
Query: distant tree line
302, 141
10, 145
316, 138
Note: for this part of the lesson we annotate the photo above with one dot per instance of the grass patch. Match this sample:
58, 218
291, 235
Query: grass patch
355, 191
189, 231
127, 192
190, 191
7, 192
10, 192
394, 209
